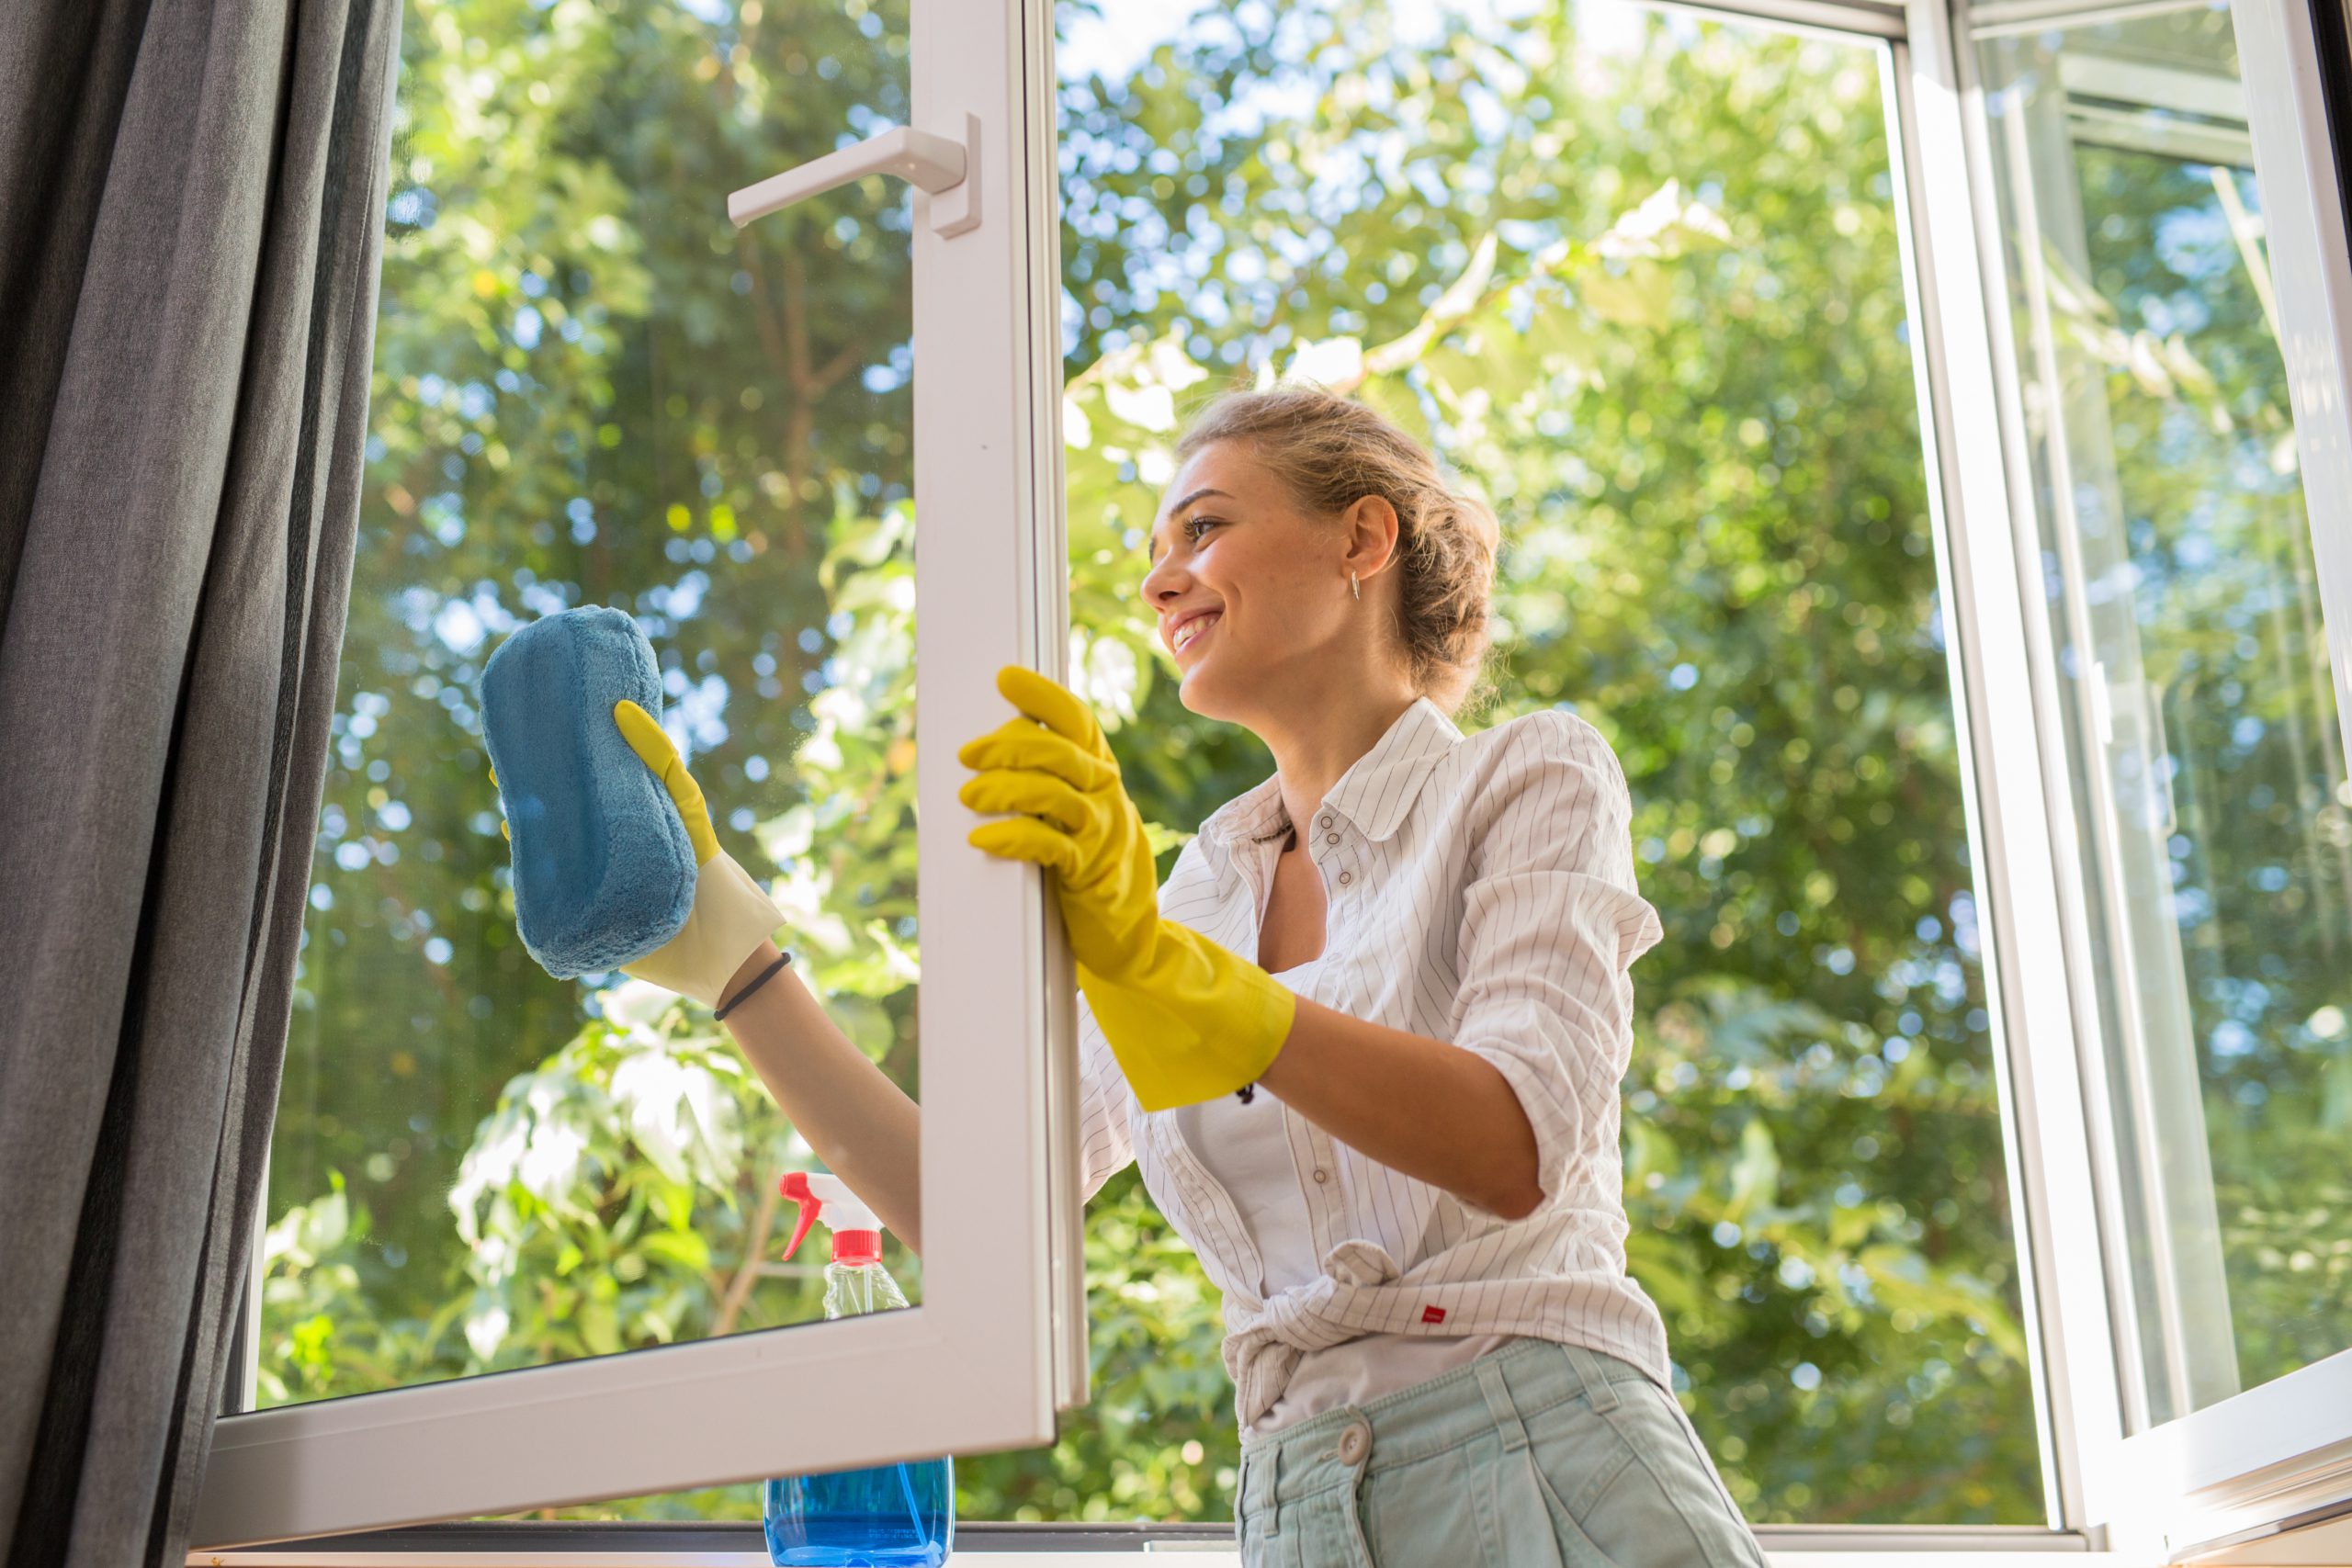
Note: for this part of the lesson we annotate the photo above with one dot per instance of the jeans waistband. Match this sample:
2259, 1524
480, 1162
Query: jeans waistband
1497, 1391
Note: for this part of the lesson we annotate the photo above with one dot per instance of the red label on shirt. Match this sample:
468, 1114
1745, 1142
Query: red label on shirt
1433, 1314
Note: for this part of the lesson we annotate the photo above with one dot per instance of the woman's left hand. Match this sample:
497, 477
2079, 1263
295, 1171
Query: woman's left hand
1187, 1020
1067, 808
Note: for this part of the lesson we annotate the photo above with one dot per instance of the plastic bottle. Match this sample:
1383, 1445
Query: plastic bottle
892, 1516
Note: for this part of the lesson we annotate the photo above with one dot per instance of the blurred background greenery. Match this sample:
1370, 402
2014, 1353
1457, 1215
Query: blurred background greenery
1635, 273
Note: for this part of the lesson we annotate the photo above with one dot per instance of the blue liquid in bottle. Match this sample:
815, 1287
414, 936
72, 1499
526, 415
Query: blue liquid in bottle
892, 1516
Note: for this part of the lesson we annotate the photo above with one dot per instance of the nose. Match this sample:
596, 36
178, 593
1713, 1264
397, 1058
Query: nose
1166, 581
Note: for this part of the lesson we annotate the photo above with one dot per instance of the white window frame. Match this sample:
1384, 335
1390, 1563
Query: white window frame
2277, 1455
1000, 1339
1000, 1333
2248, 1466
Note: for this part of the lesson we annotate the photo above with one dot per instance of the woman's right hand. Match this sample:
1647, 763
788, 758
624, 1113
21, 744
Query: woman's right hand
860, 1123
732, 914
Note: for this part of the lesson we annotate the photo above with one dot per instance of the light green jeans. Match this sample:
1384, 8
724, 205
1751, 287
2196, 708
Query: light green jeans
1537, 1455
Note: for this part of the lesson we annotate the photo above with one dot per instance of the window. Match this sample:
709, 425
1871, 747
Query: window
2213, 822
2164, 209
1902, 424
592, 388
582, 399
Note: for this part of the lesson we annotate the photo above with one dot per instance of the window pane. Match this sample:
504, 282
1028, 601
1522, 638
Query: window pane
1669, 341
2212, 809
590, 389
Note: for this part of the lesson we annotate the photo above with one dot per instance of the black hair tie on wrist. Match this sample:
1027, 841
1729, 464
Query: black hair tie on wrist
764, 974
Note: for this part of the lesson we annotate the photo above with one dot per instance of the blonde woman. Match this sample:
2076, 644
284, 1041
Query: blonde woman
1365, 1043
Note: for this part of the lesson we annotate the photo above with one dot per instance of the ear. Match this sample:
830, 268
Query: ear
1372, 530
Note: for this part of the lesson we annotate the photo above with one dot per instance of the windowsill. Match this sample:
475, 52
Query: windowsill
1185, 1558
1011, 1546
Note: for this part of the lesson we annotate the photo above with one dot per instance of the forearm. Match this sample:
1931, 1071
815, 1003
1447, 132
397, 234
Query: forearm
1421, 1106
861, 1124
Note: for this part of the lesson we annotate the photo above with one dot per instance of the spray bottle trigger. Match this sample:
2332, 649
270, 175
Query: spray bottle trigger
795, 1186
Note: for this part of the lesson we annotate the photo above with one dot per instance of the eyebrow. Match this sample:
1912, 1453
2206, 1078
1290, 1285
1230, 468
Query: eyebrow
1152, 556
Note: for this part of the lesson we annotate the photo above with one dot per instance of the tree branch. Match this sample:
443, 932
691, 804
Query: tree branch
747, 1272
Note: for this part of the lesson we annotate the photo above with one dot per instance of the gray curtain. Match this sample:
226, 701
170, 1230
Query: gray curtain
191, 211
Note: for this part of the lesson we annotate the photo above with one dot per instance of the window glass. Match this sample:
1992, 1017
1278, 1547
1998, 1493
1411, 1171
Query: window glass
590, 389
1636, 275
1658, 261
2211, 804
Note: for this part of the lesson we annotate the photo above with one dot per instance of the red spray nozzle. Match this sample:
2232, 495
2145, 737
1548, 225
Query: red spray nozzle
857, 1235
795, 1186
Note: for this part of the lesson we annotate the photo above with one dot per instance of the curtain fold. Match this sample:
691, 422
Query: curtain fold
191, 216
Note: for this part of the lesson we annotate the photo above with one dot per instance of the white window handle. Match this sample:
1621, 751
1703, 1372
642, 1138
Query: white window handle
940, 167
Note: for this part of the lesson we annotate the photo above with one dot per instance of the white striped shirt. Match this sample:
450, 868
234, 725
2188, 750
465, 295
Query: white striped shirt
1479, 890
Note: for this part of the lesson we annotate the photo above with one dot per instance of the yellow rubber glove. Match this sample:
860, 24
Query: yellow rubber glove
1187, 1019
733, 913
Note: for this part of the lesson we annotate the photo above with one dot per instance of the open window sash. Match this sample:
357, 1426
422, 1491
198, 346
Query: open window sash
2277, 1455
999, 1338
2131, 1315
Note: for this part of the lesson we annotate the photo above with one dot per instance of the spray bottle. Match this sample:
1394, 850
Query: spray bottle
899, 1515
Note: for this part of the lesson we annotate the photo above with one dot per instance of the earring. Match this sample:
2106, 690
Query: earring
1353, 587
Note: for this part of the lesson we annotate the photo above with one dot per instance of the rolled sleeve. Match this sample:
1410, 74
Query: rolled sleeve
1552, 922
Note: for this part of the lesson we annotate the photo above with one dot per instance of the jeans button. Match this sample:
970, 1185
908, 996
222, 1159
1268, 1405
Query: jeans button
1355, 1443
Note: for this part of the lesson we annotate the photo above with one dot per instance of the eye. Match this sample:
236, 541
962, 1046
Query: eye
1193, 525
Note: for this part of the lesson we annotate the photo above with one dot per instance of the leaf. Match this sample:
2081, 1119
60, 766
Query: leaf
681, 1249
1559, 341
1641, 295
2335, 1102
1149, 407
1336, 363
600, 1328
1756, 1175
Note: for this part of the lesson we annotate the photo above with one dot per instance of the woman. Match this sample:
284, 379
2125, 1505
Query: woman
1365, 1045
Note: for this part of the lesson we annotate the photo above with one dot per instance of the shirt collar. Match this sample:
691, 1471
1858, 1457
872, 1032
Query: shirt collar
1375, 791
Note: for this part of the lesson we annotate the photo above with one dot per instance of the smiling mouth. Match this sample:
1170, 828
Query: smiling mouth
1191, 630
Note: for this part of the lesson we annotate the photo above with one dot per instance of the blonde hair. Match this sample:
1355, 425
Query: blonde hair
1333, 452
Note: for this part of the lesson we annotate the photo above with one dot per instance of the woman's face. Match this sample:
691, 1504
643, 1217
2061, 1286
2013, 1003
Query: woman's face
1251, 592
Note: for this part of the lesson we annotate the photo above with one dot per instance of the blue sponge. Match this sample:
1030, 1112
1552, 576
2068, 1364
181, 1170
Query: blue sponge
603, 870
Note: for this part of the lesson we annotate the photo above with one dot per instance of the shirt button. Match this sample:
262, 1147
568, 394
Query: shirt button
1322, 1176
1344, 878
1355, 1443
1327, 822
1330, 837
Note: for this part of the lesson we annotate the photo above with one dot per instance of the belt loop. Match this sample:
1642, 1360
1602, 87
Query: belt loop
1599, 1392
1241, 1502
1274, 1464
1500, 1403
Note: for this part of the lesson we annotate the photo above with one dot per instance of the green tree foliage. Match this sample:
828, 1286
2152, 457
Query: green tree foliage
1640, 288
